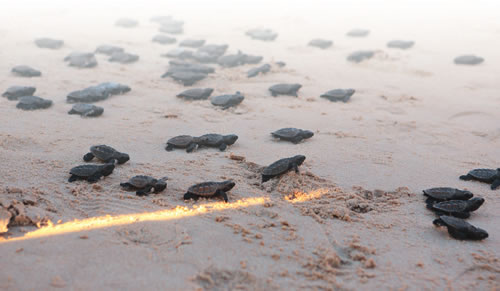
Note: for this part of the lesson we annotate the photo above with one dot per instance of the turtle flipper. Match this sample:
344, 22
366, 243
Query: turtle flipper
466, 177
188, 196
439, 222
88, 157
191, 147
73, 178
495, 184
94, 178
144, 191
222, 147
223, 195
295, 167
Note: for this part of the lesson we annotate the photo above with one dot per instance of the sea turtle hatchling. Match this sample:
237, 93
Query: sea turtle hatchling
460, 229
282, 166
196, 94
215, 140
468, 60
321, 43
228, 100
49, 43
490, 176
294, 135
86, 110
400, 44
33, 103
143, 184
164, 39
26, 71
188, 142
258, 70
285, 89
81, 60
359, 56
209, 189
106, 154
188, 78
16, 92
194, 43
123, 58
108, 49
335, 95
457, 208
90, 172
440, 194
358, 32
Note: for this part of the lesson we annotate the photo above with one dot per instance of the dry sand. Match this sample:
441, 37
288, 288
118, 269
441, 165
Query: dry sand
416, 121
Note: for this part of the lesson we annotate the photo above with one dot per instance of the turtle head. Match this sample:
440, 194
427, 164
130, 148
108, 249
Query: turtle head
467, 194
122, 158
299, 159
480, 234
108, 168
160, 184
230, 139
475, 203
228, 185
307, 133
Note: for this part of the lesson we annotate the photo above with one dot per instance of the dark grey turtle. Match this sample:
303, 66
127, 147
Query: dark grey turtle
97, 93
446, 193
193, 43
461, 229
49, 43
172, 29
81, 60
251, 59
190, 143
188, 78
358, 32
126, 22
26, 71
106, 154
285, 89
294, 135
490, 176
182, 66
196, 94
209, 189
457, 208
209, 53
321, 43
259, 70
33, 102
338, 95
262, 34
108, 49
215, 140
230, 61
179, 53
91, 173
123, 58
468, 60
86, 110
282, 166
359, 56
400, 44
144, 184
15, 92
228, 100
280, 64
164, 39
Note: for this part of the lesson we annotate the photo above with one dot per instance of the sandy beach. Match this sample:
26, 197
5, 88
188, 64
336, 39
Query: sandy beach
353, 218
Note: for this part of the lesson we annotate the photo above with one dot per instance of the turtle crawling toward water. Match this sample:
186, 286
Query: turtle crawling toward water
190, 143
294, 135
16, 92
285, 89
26, 71
196, 94
106, 154
215, 140
228, 100
91, 173
490, 176
440, 194
144, 184
86, 110
460, 229
468, 60
338, 95
209, 189
457, 208
282, 166
33, 103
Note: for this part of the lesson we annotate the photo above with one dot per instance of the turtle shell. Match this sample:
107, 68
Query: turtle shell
338, 94
447, 193
141, 181
211, 139
287, 132
453, 206
277, 168
285, 89
196, 93
188, 78
484, 174
33, 102
103, 152
86, 109
85, 170
204, 189
181, 141
228, 100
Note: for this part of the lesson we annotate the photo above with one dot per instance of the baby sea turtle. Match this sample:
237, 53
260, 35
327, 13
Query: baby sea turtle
187, 142
215, 140
282, 166
358, 32
97, 93
285, 89
108, 49
359, 56
262, 34
91, 173
16, 92
228, 100
81, 60
321, 43
209, 189
172, 28
210, 53
446, 193
126, 23
26, 71
490, 176
457, 208
338, 95
49, 43
123, 58
86, 110
33, 102
106, 154
164, 39
194, 43
188, 78
196, 94
144, 184
177, 66
233, 60
468, 60
294, 135
400, 44
461, 229
259, 70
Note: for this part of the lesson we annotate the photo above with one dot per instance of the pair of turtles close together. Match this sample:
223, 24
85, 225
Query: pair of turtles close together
190, 143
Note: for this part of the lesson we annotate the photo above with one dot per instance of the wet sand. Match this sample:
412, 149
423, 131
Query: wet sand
353, 218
